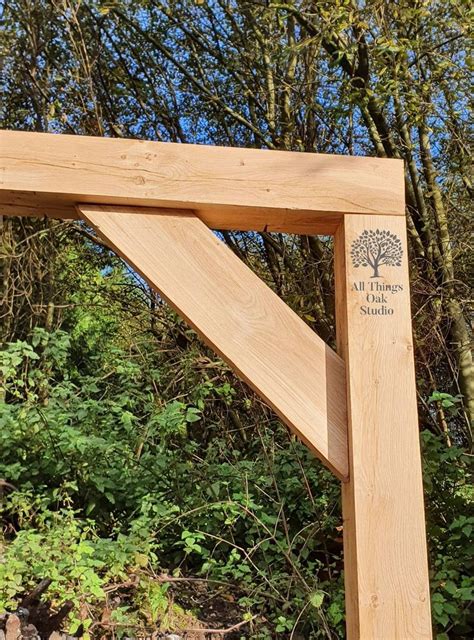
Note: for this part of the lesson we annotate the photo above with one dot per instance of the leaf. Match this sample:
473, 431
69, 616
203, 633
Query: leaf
193, 414
450, 587
316, 599
141, 559
335, 613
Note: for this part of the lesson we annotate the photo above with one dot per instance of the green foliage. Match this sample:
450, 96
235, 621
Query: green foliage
449, 500
54, 541
447, 401
112, 481
127, 464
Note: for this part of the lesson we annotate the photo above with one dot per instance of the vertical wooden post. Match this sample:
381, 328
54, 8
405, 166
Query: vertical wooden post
385, 563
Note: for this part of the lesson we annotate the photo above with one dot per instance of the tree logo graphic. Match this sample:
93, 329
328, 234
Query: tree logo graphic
377, 247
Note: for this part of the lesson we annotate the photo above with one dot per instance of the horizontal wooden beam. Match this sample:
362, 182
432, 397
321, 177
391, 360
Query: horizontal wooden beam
227, 188
238, 316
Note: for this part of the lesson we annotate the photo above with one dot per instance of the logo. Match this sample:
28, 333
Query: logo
375, 248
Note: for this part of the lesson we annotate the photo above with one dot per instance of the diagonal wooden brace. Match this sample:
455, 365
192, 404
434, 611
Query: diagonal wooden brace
238, 316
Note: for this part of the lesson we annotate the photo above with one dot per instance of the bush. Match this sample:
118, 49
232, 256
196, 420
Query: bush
115, 482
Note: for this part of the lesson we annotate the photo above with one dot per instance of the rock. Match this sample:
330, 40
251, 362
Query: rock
13, 628
23, 613
30, 632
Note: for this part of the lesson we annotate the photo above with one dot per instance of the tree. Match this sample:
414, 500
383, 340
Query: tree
330, 77
375, 248
338, 76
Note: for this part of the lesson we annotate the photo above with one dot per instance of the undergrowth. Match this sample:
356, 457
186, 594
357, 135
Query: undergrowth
121, 484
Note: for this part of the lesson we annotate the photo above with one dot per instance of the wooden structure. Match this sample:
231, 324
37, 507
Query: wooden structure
156, 204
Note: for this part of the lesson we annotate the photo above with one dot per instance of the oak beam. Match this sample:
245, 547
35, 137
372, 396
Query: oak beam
385, 555
228, 188
239, 317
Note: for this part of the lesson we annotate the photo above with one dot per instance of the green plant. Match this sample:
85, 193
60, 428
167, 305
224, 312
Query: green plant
126, 465
450, 498
53, 542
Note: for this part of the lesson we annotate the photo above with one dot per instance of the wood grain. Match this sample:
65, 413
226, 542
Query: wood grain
228, 188
241, 318
385, 556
